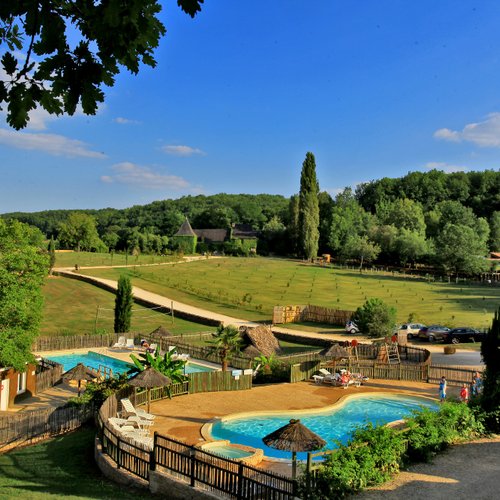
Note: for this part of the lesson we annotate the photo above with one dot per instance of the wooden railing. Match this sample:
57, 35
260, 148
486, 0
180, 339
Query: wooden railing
218, 474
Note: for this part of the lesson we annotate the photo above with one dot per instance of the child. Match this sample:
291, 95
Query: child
442, 389
464, 393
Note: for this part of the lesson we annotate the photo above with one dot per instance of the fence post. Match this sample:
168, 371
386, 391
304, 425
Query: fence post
118, 452
152, 454
192, 458
239, 494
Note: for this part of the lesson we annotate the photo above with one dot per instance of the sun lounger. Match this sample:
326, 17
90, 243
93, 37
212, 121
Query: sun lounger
129, 408
318, 379
130, 344
122, 342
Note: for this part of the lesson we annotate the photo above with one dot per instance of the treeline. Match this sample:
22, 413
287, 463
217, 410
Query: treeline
446, 220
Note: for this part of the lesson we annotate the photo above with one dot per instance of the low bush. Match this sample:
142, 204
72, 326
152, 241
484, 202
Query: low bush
430, 432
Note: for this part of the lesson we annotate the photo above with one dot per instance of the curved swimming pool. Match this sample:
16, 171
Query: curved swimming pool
336, 423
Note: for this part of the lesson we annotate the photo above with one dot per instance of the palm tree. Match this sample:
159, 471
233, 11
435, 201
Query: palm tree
172, 367
227, 342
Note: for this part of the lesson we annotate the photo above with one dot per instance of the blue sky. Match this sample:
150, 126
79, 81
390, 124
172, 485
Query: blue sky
243, 91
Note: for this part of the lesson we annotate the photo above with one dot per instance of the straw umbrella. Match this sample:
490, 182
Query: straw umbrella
294, 437
148, 379
335, 352
79, 372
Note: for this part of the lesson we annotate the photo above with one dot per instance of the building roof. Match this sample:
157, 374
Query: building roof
211, 235
185, 229
244, 231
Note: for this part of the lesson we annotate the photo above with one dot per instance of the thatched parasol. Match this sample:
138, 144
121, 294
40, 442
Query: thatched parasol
294, 437
79, 372
148, 379
335, 352
261, 338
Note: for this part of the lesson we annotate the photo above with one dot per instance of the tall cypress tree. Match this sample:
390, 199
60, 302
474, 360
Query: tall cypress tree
490, 351
123, 305
309, 209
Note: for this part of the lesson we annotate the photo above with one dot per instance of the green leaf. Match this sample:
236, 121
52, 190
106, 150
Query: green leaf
9, 63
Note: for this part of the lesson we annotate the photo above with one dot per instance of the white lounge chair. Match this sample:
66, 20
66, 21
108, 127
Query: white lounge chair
318, 379
128, 407
257, 368
130, 344
122, 342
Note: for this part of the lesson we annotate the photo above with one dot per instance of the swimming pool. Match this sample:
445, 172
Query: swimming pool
335, 423
94, 359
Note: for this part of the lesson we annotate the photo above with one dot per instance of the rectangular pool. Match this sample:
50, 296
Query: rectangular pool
94, 360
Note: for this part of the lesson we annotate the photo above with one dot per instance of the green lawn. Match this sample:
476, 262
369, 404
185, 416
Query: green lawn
70, 259
63, 468
250, 287
71, 308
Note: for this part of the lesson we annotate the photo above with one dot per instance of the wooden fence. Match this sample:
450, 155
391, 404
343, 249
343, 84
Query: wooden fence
62, 342
25, 426
315, 314
455, 375
48, 374
205, 353
218, 381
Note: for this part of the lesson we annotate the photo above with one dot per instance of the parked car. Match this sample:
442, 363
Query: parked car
433, 332
411, 329
351, 327
463, 334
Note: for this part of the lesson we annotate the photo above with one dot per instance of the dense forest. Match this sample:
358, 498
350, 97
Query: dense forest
449, 220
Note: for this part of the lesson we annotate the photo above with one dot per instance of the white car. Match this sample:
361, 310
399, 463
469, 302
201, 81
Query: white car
411, 329
351, 327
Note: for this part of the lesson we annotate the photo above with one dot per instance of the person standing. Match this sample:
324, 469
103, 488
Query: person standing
464, 393
442, 389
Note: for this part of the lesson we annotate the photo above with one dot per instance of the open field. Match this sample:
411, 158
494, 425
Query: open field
71, 308
250, 287
70, 259
62, 467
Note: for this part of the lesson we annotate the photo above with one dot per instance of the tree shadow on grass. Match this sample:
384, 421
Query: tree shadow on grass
63, 466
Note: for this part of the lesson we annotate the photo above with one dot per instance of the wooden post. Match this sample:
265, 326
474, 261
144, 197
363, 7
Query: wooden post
152, 454
96, 319
239, 494
118, 452
192, 464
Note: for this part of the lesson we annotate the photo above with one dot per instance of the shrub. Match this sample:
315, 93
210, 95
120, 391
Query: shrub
375, 318
371, 456
430, 432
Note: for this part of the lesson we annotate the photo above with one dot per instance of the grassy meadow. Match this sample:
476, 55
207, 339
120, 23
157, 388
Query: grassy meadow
71, 308
250, 287
68, 258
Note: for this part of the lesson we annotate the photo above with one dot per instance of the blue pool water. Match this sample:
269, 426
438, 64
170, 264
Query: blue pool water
336, 424
94, 359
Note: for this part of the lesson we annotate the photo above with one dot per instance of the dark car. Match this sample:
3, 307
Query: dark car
433, 332
463, 334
